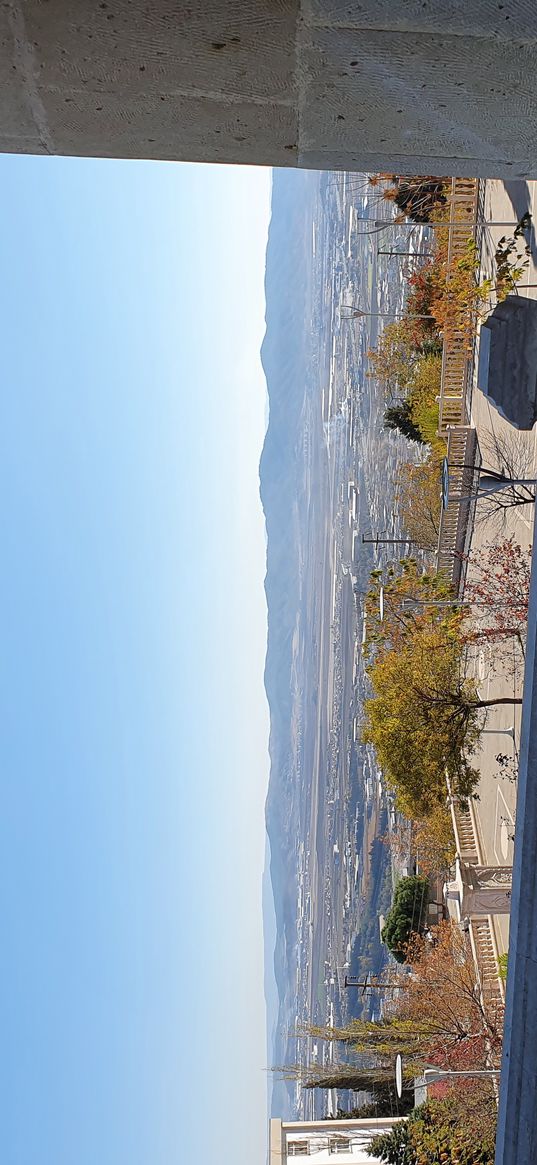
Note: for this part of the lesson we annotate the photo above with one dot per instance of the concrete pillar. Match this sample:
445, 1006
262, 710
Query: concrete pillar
480, 890
441, 86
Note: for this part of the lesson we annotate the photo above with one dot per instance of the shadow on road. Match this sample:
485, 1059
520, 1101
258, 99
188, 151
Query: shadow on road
518, 193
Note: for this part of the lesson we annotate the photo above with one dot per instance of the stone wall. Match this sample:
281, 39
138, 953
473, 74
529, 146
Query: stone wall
433, 86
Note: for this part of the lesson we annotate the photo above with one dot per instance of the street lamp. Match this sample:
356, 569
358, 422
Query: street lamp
394, 253
408, 603
356, 313
499, 732
489, 481
431, 1075
383, 224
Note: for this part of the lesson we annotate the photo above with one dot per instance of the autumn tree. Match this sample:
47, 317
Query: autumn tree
416, 414
433, 1011
396, 591
418, 197
497, 592
424, 716
431, 838
419, 501
458, 298
423, 401
460, 1027
393, 359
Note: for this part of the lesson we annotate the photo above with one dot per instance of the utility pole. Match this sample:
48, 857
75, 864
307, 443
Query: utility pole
369, 984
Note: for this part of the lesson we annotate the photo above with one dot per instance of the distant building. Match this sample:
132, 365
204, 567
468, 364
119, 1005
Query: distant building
332, 1142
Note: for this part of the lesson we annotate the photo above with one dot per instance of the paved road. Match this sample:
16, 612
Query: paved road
500, 671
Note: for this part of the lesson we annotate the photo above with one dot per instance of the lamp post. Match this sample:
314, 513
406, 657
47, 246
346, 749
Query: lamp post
383, 224
408, 603
356, 313
431, 1075
489, 481
499, 732
393, 254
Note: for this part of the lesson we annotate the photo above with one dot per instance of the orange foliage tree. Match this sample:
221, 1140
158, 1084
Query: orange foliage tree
461, 1029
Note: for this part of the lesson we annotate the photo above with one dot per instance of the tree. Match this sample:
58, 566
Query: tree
497, 592
420, 197
394, 1147
417, 197
423, 397
392, 360
399, 416
419, 501
436, 1014
509, 454
381, 1039
460, 1028
405, 588
377, 1079
432, 838
457, 1129
424, 716
406, 915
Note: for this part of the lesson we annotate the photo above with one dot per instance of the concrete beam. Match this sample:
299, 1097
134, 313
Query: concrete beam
434, 86
517, 1118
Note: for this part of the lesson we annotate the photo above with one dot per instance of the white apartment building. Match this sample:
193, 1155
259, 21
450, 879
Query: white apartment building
338, 1142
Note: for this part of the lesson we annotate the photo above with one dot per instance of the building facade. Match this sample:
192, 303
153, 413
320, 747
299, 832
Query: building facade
338, 1142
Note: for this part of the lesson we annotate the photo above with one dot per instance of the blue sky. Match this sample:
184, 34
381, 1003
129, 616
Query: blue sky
133, 629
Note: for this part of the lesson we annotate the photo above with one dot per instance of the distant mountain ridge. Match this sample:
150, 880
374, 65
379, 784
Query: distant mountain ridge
284, 363
284, 357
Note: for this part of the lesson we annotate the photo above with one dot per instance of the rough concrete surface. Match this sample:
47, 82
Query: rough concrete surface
438, 86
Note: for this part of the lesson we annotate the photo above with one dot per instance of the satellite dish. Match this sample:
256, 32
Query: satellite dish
399, 1075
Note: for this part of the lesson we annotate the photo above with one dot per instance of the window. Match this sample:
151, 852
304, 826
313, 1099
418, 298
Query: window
298, 1148
339, 1145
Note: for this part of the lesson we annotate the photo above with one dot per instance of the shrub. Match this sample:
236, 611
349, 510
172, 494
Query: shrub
457, 1130
406, 915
